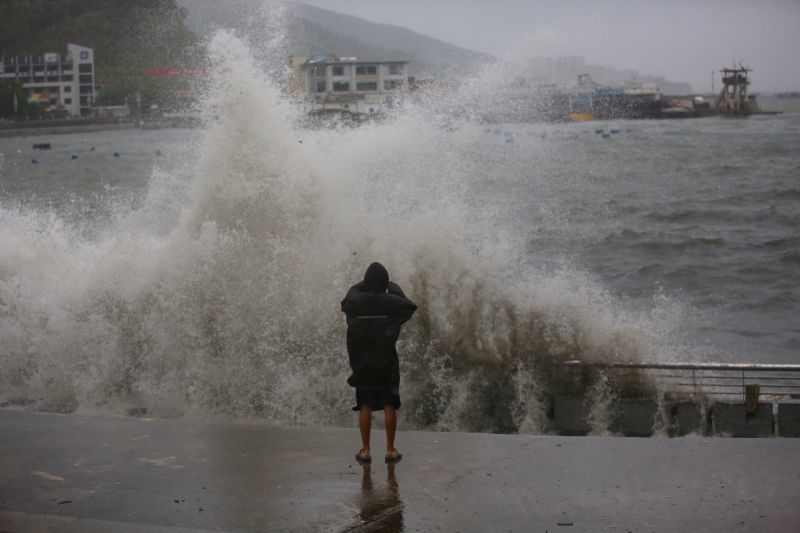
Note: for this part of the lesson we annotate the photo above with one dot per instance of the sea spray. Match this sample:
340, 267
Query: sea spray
219, 294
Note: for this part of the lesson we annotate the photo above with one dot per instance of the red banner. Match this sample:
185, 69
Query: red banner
174, 72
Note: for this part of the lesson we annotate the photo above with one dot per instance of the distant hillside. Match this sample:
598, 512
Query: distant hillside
128, 36
313, 31
428, 56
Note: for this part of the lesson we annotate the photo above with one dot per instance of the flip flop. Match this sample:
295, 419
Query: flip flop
363, 460
394, 458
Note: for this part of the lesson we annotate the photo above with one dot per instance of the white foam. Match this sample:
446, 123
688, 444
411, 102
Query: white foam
220, 295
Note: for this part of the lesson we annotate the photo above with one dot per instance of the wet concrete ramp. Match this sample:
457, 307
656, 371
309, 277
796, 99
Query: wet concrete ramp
100, 473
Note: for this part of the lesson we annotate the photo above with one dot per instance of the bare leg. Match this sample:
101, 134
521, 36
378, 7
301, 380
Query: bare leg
365, 424
390, 415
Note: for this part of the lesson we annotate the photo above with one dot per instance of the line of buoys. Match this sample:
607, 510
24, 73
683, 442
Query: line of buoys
75, 156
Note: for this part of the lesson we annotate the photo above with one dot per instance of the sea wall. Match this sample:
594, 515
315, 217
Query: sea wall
575, 415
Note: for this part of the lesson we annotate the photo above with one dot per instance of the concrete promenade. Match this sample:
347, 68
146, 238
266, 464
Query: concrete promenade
100, 473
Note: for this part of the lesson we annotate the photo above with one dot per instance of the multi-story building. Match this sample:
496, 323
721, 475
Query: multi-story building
331, 83
53, 80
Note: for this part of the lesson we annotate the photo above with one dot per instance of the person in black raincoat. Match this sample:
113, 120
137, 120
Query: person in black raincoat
376, 308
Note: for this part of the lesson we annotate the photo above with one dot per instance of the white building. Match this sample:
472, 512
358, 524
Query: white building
54, 80
334, 83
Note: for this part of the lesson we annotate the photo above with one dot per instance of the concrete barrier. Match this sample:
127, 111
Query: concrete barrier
633, 417
685, 418
789, 419
731, 419
570, 415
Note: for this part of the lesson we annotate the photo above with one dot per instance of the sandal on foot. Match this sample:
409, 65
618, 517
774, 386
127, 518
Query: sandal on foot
361, 459
394, 458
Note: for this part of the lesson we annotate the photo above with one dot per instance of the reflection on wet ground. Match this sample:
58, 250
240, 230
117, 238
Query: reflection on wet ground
381, 507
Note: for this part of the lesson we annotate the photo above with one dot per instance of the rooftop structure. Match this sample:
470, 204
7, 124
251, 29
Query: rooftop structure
53, 80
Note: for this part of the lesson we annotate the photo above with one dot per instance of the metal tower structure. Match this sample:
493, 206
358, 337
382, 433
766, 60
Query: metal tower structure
733, 99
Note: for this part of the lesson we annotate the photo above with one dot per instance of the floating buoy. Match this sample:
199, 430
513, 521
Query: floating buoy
158, 152
92, 148
34, 161
606, 135
614, 131
41, 146
73, 156
599, 131
116, 154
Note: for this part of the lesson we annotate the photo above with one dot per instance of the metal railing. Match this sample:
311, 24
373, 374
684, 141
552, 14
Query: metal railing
777, 381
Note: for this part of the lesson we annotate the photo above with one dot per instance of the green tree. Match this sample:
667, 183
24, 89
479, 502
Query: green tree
9, 88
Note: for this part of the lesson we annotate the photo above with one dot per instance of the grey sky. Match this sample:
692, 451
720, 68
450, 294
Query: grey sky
680, 39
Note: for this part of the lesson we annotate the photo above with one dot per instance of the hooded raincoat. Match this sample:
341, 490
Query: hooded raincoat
375, 309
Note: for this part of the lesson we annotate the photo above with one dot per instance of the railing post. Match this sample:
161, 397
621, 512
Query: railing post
744, 388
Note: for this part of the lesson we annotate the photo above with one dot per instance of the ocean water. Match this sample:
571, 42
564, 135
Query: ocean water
200, 271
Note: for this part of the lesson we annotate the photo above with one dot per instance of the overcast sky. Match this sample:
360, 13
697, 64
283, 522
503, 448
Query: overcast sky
681, 40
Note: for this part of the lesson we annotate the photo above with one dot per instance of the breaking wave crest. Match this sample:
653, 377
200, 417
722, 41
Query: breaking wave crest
219, 295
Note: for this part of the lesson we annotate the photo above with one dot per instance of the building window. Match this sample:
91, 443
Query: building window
67, 101
85, 67
86, 89
84, 54
85, 78
367, 86
341, 86
366, 70
66, 78
338, 71
390, 85
321, 87
68, 89
395, 69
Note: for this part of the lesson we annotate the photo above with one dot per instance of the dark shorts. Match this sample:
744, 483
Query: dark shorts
376, 399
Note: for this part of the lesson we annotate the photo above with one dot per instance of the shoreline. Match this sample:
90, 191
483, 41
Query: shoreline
31, 129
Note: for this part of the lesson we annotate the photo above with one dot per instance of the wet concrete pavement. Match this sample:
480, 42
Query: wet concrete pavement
100, 473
